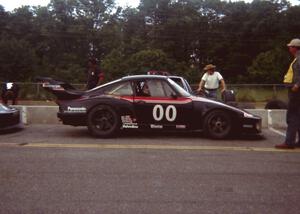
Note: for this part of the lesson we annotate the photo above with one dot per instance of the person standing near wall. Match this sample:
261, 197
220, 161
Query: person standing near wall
292, 80
9, 91
94, 74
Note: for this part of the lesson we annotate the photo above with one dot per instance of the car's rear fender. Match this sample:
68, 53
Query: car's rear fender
120, 106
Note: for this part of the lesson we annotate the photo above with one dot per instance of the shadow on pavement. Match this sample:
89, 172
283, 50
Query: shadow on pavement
10, 131
134, 134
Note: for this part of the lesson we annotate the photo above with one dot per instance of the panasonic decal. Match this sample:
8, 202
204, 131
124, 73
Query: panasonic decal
76, 109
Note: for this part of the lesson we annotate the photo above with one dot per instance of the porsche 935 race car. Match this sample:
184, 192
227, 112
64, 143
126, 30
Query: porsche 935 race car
147, 102
9, 118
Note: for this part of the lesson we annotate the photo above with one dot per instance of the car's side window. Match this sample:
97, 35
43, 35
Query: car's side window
120, 89
156, 88
153, 88
159, 88
141, 88
178, 81
167, 89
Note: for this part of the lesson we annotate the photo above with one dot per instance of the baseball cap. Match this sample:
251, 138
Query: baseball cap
294, 43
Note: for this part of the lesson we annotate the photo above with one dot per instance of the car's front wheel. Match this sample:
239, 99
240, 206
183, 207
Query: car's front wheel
218, 124
103, 121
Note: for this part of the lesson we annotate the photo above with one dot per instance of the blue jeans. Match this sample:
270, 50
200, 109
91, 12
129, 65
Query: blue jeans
293, 122
211, 93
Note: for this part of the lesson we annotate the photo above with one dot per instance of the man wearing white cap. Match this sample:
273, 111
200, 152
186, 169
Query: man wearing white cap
292, 80
210, 81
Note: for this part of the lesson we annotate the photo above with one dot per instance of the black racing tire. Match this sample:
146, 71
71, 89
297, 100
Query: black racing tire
103, 121
218, 124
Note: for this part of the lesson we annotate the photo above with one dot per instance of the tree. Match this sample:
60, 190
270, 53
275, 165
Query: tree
179, 36
269, 67
17, 60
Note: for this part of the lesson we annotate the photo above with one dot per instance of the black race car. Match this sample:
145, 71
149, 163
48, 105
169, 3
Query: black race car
147, 102
10, 118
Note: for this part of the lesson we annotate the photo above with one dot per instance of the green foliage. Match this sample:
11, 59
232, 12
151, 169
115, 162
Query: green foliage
117, 64
269, 67
17, 60
146, 60
114, 65
177, 36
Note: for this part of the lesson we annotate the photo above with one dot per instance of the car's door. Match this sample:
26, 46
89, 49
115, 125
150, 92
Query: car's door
158, 105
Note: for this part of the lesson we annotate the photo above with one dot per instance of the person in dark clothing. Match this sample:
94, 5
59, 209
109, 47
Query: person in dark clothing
9, 91
292, 80
94, 74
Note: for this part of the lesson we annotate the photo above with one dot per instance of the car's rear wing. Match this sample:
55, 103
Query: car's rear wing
61, 89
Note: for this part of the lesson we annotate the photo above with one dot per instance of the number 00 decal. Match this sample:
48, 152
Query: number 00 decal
158, 113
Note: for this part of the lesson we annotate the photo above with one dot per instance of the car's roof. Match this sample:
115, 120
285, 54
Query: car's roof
175, 77
144, 77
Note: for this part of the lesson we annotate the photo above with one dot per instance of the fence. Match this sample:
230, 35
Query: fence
35, 91
257, 92
244, 92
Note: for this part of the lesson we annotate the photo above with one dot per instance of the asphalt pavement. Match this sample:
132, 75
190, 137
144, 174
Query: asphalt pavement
62, 169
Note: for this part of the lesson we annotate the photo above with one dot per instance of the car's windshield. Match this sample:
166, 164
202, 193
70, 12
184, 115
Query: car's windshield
104, 85
121, 89
182, 92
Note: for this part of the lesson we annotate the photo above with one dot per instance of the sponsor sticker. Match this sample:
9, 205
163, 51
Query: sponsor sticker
248, 126
129, 122
75, 110
153, 126
130, 126
180, 126
127, 119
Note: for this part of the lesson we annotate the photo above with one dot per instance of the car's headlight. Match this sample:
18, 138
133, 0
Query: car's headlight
248, 115
258, 126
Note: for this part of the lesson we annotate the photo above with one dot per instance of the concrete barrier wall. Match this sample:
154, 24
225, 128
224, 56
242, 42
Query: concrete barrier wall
47, 115
271, 118
277, 118
39, 114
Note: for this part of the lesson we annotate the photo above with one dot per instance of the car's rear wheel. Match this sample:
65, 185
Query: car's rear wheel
103, 121
218, 124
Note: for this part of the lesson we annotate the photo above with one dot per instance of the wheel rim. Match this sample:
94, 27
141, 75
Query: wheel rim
103, 120
219, 125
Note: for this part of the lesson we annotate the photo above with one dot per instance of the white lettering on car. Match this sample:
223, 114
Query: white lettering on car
170, 109
158, 113
75, 110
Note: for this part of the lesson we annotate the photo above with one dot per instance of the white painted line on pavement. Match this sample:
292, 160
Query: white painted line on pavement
157, 147
276, 131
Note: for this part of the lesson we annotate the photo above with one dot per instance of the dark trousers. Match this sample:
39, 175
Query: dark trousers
92, 83
9, 95
293, 121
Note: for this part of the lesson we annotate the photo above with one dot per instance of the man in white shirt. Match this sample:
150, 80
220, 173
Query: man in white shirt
210, 82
